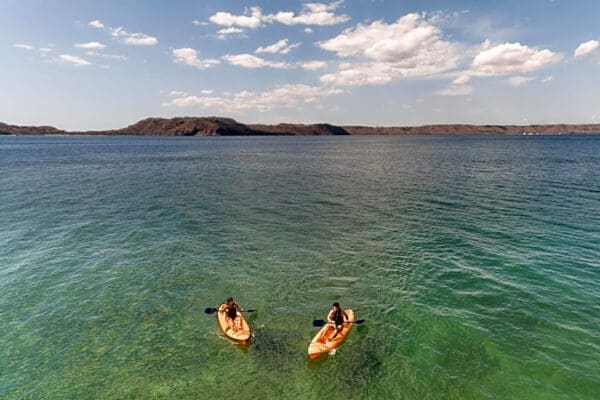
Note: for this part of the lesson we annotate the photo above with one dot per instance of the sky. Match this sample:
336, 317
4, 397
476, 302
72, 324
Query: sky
87, 65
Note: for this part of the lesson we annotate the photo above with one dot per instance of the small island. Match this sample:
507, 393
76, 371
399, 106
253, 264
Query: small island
221, 126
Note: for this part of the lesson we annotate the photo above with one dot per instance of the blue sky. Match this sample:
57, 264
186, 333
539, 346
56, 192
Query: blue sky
106, 64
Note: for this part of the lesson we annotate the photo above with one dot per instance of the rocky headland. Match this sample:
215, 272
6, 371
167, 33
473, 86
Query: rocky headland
219, 126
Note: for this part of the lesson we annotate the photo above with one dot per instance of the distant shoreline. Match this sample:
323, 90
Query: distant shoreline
220, 126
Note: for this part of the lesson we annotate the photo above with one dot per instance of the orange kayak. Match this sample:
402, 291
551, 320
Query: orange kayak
320, 344
240, 332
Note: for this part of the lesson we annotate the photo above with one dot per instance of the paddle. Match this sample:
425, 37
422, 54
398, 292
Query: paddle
319, 322
212, 310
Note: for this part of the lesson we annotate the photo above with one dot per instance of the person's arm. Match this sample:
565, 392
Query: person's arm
330, 316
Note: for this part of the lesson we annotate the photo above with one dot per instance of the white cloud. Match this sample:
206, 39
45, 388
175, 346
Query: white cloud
459, 87
519, 80
24, 46
547, 79
42, 51
456, 90
251, 61
226, 32
199, 23
361, 74
462, 80
281, 47
106, 56
313, 65
177, 93
96, 24
284, 96
379, 41
134, 39
311, 14
229, 31
586, 48
189, 57
206, 91
308, 30
411, 46
511, 58
90, 46
252, 19
200, 101
73, 60
129, 38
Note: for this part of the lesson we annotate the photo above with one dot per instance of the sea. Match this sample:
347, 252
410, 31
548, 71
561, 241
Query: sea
474, 261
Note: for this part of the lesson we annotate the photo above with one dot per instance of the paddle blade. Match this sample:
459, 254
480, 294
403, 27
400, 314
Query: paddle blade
210, 310
359, 321
318, 323
251, 310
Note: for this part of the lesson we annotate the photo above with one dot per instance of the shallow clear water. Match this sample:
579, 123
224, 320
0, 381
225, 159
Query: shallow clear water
474, 260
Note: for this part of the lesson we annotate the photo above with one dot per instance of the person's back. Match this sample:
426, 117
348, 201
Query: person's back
231, 311
336, 316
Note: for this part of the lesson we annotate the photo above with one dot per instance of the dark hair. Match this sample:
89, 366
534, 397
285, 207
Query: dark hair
336, 304
229, 299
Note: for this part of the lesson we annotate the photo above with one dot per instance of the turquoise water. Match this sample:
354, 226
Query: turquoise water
474, 260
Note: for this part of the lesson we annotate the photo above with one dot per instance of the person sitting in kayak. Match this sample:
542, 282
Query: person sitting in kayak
231, 314
336, 316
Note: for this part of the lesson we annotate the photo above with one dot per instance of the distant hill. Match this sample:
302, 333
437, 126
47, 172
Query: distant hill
186, 126
461, 129
219, 126
28, 130
299, 129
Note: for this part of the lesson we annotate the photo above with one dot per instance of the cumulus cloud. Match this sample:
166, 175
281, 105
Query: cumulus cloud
120, 34
519, 80
456, 90
251, 61
459, 87
42, 51
73, 60
226, 32
281, 47
311, 14
134, 39
24, 46
411, 46
90, 46
96, 24
313, 65
462, 79
251, 19
177, 93
511, 58
586, 48
284, 96
188, 56
547, 79
106, 56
